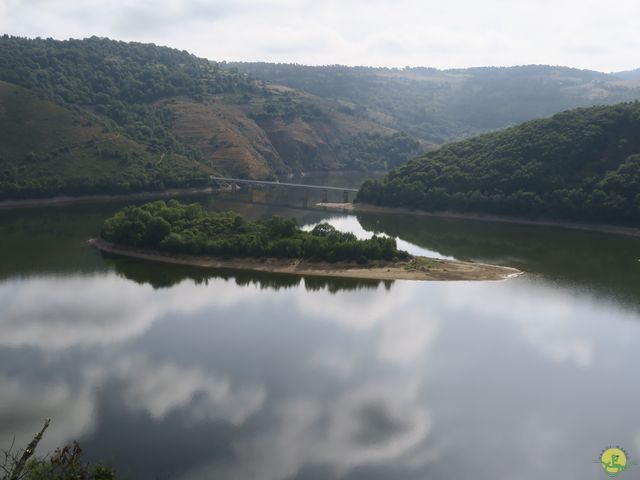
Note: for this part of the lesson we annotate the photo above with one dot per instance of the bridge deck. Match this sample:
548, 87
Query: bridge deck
282, 184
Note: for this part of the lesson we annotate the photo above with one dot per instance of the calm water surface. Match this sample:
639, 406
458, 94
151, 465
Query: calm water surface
175, 373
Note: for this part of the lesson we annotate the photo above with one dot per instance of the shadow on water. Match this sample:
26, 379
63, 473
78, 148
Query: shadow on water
165, 276
51, 240
603, 262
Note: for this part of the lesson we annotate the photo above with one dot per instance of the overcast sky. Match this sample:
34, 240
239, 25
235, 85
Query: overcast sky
592, 34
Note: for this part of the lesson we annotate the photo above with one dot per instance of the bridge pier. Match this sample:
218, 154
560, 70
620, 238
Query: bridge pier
345, 196
250, 192
305, 199
325, 196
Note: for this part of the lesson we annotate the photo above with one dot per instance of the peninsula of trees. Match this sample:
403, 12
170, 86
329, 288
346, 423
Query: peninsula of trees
187, 234
188, 228
580, 165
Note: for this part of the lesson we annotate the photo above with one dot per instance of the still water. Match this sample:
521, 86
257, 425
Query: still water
174, 373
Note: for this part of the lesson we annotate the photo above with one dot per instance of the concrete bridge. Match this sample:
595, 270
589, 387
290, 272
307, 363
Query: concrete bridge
234, 182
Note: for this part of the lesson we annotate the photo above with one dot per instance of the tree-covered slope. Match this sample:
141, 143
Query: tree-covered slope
162, 117
47, 149
583, 164
439, 106
121, 81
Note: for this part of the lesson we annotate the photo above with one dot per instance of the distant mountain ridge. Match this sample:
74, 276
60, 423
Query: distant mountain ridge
628, 74
444, 105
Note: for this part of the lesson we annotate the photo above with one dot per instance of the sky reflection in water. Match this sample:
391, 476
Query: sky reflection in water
274, 377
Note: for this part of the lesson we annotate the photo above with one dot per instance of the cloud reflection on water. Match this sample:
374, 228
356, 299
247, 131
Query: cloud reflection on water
362, 425
97, 310
548, 326
25, 404
161, 388
366, 400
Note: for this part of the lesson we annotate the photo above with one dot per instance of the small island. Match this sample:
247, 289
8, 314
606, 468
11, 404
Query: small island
187, 234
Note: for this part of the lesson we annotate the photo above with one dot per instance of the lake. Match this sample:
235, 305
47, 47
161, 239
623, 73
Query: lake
176, 373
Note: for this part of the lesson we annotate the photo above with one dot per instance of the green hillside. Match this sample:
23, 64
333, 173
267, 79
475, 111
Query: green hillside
47, 149
583, 164
102, 116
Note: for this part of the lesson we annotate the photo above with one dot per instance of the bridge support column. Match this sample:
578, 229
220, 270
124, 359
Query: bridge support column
250, 192
325, 196
345, 196
305, 199
234, 187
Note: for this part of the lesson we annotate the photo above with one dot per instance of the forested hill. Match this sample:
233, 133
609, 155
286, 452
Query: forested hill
102, 116
581, 165
444, 105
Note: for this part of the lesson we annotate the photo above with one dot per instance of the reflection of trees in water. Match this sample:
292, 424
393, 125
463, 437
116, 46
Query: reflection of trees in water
608, 263
334, 285
165, 276
51, 241
143, 272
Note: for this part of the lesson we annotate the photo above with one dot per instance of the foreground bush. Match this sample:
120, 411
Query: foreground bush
65, 463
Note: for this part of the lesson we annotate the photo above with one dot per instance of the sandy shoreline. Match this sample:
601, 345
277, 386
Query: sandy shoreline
368, 208
420, 269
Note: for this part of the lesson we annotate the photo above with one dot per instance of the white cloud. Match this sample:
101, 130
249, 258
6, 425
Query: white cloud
335, 363
457, 33
368, 423
27, 403
405, 339
160, 389
78, 311
547, 326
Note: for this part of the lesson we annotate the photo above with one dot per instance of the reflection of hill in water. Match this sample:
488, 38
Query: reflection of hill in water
165, 276
608, 263
51, 240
